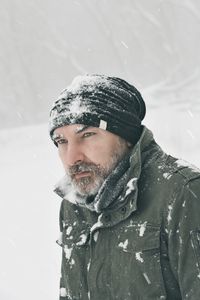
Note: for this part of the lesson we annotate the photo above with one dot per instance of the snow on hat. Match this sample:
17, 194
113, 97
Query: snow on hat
109, 103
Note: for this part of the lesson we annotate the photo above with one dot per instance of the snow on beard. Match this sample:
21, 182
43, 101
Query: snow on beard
90, 184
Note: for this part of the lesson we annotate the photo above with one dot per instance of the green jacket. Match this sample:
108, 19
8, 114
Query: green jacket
147, 249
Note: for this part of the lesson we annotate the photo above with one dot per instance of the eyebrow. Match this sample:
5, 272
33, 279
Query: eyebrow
57, 136
79, 129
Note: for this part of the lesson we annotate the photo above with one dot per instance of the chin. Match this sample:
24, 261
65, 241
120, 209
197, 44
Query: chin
88, 187
90, 190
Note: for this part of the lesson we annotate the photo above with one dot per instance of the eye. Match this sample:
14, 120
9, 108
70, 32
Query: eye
61, 141
88, 134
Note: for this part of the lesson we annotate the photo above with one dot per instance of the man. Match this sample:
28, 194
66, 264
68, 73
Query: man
130, 214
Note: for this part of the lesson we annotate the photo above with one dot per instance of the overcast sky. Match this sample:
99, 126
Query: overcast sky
45, 43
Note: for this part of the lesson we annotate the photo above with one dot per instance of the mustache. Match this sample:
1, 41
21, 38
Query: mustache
83, 167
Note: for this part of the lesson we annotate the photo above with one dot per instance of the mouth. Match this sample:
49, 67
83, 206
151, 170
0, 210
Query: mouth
82, 174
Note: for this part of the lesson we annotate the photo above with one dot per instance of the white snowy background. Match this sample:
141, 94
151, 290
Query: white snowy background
43, 45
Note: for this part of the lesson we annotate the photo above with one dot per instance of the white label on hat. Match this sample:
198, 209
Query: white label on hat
103, 124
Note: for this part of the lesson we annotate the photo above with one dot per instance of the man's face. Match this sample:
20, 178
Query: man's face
88, 155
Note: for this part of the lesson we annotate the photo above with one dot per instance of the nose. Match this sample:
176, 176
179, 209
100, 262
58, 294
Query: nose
72, 155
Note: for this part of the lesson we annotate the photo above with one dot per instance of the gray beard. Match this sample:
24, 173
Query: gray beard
114, 192
82, 187
115, 182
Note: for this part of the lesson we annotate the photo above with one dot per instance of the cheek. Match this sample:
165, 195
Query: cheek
62, 156
100, 153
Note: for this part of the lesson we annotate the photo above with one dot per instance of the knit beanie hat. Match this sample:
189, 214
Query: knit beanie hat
109, 103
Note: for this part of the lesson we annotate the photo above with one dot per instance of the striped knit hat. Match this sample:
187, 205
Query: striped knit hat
100, 101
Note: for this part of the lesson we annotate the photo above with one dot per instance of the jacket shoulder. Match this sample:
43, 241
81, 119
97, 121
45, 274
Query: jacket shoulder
183, 169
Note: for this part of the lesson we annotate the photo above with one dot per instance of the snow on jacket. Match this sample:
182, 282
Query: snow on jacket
147, 249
